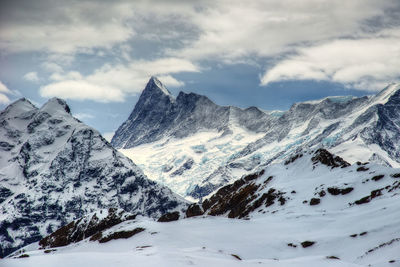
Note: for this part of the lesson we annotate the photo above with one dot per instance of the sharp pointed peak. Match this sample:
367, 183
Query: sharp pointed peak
23, 101
55, 104
18, 107
154, 79
155, 83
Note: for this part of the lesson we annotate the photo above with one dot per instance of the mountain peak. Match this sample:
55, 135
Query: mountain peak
384, 95
55, 105
155, 84
23, 102
18, 107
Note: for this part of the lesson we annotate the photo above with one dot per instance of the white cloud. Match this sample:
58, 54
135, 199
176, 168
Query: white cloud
108, 135
52, 67
170, 81
366, 64
65, 28
59, 59
233, 30
72, 75
4, 99
82, 90
83, 116
3, 91
112, 83
31, 76
64, 39
229, 31
224, 29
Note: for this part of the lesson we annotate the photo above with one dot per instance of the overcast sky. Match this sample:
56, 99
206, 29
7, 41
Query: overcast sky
98, 55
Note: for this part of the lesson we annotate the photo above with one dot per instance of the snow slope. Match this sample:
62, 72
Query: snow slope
345, 233
184, 163
54, 169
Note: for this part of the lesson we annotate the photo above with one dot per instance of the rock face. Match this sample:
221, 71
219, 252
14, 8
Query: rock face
323, 156
384, 123
158, 114
85, 227
299, 183
54, 169
239, 199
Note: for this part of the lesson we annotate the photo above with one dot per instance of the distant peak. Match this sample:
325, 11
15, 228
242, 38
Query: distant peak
155, 83
19, 106
55, 104
384, 95
22, 101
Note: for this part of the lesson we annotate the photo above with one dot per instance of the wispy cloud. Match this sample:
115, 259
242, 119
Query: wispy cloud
83, 116
111, 83
3, 94
108, 136
63, 27
51, 67
185, 35
31, 76
233, 30
367, 63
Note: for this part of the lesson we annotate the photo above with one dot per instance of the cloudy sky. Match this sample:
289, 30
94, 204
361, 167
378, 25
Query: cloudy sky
98, 55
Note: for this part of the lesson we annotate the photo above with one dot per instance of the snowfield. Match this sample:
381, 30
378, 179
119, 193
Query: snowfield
344, 234
261, 241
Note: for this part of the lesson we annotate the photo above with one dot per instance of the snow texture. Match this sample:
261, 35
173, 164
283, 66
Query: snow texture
340, 230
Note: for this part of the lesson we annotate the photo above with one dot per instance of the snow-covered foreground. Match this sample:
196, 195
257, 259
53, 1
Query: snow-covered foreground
263, 240
330, 214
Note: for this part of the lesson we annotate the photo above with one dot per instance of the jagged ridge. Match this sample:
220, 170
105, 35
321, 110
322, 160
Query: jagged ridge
54, 169
195, 156
157, 115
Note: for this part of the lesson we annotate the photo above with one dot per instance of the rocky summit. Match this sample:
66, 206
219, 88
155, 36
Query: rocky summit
55, 169
158, 115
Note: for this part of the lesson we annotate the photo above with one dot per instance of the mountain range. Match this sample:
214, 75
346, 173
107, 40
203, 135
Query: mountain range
316, 185
195, 146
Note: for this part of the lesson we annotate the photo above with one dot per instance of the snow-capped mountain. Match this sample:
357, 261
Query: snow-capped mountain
314, 209
158, 114
54, 169
194, 146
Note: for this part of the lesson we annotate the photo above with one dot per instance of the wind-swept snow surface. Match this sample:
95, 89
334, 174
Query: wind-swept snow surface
273, 240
